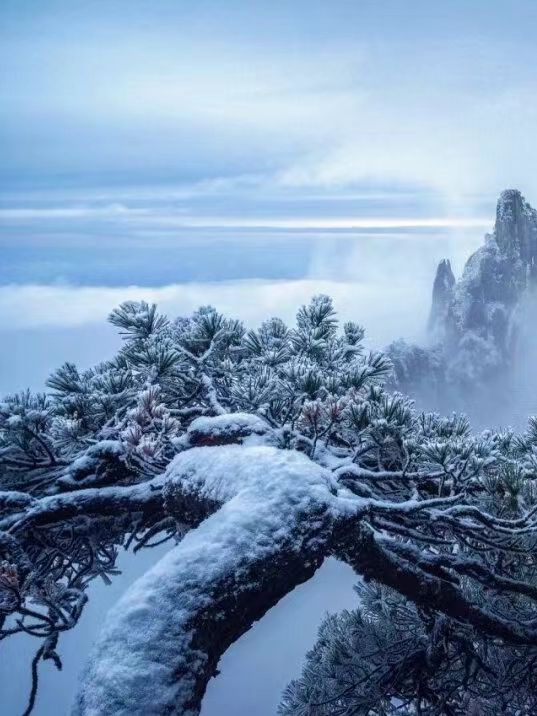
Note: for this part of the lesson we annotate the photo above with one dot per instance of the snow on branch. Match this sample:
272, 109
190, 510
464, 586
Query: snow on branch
276, 447
162, 641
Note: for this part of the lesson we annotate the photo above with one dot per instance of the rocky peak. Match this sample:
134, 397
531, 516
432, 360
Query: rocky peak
476, 324
516, 227
443, 294
481, 307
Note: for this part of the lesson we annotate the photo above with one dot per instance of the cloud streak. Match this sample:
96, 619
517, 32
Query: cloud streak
178, 217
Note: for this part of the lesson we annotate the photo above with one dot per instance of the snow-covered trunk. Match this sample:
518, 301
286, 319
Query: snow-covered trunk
162, 642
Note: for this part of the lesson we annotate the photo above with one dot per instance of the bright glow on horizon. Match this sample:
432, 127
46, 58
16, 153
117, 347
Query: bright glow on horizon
120, 212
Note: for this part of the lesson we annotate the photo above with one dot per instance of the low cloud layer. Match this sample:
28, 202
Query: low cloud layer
387, 310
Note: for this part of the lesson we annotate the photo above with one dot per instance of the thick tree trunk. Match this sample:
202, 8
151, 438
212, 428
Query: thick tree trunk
162, 642
267, 518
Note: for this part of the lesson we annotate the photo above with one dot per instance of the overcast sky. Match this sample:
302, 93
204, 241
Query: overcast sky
308, 95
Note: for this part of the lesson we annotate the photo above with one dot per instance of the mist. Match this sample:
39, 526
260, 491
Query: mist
382, 280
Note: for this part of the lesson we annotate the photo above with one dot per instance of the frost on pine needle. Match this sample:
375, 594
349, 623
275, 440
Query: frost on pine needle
260, 453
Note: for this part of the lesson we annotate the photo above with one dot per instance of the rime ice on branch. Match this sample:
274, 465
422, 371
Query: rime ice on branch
276, 448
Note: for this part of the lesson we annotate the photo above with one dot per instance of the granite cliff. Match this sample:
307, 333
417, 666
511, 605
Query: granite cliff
476, 322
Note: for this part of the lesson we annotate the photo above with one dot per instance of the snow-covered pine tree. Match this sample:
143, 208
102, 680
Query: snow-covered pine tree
264, 452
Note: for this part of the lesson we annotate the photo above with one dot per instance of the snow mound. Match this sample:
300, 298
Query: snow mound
225, 429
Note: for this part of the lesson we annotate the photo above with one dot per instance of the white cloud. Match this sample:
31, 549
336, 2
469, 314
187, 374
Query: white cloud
387, 309
70, 212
